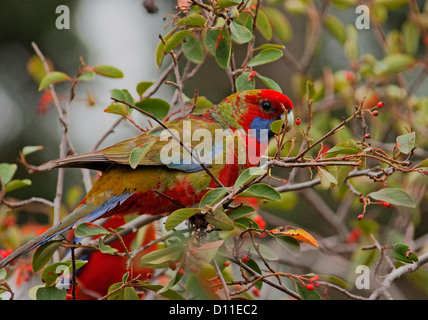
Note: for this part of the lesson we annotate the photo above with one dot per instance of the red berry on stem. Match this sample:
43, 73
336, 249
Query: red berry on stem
256, 292
386, 204
245, 259
380, 104
298, 121
375, 113
310, 286
360, 217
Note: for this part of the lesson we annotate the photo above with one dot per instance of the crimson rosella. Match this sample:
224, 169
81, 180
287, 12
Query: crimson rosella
166, 176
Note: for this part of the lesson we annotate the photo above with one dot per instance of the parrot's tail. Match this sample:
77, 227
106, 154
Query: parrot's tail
83, 213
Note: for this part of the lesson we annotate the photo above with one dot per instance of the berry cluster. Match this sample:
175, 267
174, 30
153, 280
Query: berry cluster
313, 283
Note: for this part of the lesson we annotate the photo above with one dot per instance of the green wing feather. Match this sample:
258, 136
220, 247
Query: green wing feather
119, 153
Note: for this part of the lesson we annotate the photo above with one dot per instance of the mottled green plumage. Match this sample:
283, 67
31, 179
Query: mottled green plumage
156, 187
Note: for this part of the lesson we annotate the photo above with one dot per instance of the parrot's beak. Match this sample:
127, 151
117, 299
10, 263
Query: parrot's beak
290, 118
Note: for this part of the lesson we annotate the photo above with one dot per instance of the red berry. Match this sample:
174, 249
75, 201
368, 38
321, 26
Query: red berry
226, 263
284, 181
298, 121
251, 76
148, 275
375, 113
386, 204
310, 286
316, 284
245, 259
316, 278
367, 136
360, 217
180, 271
380, 104
256, 292
193, 269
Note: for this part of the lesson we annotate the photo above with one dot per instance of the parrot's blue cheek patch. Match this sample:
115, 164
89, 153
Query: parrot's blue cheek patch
261, 129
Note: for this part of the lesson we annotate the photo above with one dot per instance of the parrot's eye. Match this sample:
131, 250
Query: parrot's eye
266, 105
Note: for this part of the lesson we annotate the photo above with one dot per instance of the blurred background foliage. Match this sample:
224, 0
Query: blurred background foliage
344, 64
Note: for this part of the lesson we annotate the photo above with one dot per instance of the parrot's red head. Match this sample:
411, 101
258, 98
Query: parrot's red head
256, 109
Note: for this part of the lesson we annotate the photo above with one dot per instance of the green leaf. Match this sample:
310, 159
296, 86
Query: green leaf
261, 191
104, 248
51, 293
307, 294
280, 24
423, 164
87, 76
395, 63
248, 175
51, 273
44, 253
130, 294
118, 108
7, 171
226, 3
335, 27
244, 83
288, 243
169, 294
254, 266
402, 253
223, 48
277, 126
3, 273
220, 220
160, 53
266, 252
143, 86
156, 107
271, 84
411, 37
269, 46
263, 25
193, 49
30, 149
334, 280
89, 229
128, 97
242, 211
176, 40
239, 33
265, 56
53, 78
192, 20
213, 196
394, 196
107, 71
161, 258
138, 153
211, 40
352, 49
327, 179
178, 216
406, 142
391, 4
16, 184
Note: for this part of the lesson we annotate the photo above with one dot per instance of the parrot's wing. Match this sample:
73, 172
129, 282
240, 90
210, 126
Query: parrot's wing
154, 148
